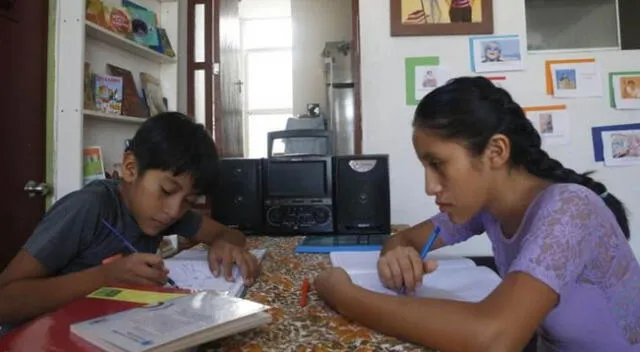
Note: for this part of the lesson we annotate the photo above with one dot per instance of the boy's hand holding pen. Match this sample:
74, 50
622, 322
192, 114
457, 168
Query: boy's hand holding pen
138, 268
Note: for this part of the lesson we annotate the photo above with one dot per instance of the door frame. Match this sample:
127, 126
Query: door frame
213, 112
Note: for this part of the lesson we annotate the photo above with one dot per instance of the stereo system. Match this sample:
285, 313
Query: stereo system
305, 195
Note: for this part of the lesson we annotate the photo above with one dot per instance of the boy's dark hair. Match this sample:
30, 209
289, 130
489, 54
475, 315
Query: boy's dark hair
171, 141
473, 109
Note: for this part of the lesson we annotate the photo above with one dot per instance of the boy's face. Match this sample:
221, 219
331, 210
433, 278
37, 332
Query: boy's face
157, 198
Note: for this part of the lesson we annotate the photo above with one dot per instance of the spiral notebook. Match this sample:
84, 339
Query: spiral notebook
190, 270
456, 278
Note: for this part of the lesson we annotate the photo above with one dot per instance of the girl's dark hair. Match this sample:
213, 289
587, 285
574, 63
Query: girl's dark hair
473, 109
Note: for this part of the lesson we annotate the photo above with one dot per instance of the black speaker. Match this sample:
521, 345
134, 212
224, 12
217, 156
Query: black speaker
238, 201
361, 194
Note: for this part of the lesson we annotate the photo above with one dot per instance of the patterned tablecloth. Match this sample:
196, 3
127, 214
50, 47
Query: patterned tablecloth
315, 327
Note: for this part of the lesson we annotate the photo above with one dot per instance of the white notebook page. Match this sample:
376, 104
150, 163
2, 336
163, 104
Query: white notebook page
456, 278
366, 261
190, 270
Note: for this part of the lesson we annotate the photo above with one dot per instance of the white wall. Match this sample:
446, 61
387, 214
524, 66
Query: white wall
314, 23
387, 120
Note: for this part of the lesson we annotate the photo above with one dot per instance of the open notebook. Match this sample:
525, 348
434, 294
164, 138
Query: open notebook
173, 325
456, 278
190, 270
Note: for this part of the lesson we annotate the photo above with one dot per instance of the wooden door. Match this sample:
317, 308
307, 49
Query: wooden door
229, 86
23, 96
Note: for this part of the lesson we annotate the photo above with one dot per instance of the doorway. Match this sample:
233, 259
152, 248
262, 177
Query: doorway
23, 69
252, 92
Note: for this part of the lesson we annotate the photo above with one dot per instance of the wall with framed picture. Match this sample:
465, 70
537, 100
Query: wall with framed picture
408, 47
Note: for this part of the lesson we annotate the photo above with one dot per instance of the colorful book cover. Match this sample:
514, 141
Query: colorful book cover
143, 24
93, 164
108, 94
132, 103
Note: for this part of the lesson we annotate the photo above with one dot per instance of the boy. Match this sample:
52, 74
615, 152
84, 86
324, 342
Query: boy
72, 252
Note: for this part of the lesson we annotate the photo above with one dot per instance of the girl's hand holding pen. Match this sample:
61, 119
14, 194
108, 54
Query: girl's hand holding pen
137, 268
402, 268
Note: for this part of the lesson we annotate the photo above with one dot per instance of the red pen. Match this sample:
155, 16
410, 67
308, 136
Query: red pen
304, 292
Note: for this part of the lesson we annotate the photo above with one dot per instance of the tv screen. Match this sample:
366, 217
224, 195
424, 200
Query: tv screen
300, 178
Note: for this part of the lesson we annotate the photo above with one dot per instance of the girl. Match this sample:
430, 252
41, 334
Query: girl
558, 239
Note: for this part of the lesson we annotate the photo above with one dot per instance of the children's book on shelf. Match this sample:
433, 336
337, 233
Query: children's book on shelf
144, 24
165, 44
118, 19
132, 104
190, 270
93, 164
153, 95
89, 102
456, 278
176, 324
108, 94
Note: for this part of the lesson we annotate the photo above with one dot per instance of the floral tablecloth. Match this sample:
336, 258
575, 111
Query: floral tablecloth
316, 327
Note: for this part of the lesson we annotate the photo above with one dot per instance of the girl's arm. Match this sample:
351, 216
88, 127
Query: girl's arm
417, 235
499, 323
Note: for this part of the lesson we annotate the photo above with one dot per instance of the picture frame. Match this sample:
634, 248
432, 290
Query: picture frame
496, 53
433, 17
423, 75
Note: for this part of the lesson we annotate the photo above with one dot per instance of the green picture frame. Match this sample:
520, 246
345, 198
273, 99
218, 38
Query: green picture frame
410, 65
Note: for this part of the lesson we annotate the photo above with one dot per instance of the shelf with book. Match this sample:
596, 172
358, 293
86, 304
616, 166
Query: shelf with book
106, 36
99, 115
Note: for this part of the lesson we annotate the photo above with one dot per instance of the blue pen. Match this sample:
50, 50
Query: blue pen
131, 247
430, 242
427, 248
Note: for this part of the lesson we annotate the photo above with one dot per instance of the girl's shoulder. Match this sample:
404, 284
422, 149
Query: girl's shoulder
566, 204
569, 195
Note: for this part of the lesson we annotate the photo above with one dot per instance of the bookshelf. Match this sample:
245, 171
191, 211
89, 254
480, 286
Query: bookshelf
103, 35
103, 116
103, 47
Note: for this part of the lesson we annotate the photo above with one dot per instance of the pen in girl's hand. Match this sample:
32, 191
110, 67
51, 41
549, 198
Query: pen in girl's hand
131, 247
425, 250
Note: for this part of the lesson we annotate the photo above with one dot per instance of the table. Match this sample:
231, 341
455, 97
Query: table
315, 327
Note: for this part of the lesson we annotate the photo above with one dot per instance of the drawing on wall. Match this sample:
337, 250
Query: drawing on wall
621, 148
629, 87
598, 133
624, 89
574, 78
422, 75
496, 53
441, 17
546, 123
552, 122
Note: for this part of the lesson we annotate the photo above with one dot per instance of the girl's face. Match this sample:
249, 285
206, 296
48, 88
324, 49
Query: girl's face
458, 181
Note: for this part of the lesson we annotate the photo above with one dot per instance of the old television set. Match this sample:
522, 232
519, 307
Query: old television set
298, 195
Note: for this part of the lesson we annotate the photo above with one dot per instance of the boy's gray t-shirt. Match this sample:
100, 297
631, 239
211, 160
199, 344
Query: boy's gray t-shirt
71, 237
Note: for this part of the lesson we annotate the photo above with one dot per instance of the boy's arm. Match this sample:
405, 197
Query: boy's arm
211, 231
28, 286
197, 228
26, 292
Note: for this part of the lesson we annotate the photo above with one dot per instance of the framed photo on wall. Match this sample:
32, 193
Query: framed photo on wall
441, 17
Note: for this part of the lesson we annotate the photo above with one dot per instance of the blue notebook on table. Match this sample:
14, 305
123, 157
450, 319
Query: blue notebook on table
340, 243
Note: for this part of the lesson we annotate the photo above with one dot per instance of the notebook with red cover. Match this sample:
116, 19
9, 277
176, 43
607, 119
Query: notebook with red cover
50, 332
